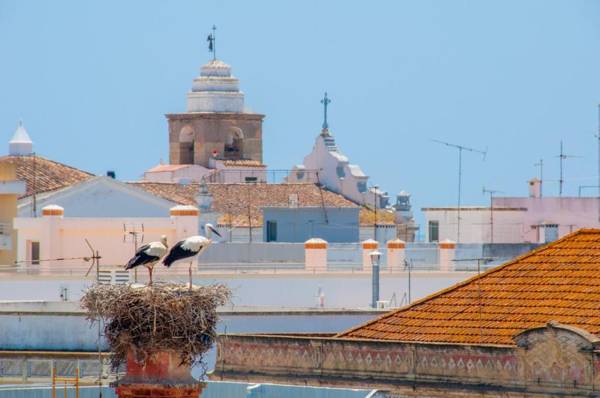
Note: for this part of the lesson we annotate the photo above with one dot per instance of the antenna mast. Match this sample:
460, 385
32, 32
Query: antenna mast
562, 156
95, 257
491, 192
540, 164
132, 232
34, 188
460, 149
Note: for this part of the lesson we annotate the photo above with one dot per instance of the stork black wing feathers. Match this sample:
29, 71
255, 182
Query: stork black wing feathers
140, 258
176, 253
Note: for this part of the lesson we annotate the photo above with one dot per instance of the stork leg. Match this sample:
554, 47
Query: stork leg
150, 269
190, 274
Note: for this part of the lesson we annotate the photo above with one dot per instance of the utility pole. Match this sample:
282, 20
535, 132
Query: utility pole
374, 190
408, 265
460, 149
95, 257
491, 192
540, 164
34, 188
562, 156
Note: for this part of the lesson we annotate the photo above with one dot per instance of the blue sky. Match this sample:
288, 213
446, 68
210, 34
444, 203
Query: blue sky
93, 80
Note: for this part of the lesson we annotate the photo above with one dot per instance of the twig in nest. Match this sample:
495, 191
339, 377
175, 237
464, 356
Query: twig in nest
156, 318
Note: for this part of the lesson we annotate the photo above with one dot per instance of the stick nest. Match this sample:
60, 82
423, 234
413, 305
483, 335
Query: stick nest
149, 319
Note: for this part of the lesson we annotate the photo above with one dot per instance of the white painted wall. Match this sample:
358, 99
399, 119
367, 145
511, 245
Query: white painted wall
64, 237
475, 225
516, 219
235, 174
569, 213
192, 173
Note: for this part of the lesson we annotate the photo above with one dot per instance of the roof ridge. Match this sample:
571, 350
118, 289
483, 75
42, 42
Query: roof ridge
161, 182
469, 280
48, 160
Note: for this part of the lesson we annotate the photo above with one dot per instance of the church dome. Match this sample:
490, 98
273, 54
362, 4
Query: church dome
215, 90
216, 67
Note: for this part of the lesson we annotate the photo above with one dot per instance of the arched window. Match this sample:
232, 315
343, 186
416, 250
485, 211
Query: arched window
234, 148
186, 145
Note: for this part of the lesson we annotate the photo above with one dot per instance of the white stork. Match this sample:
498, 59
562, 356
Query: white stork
190, 247
148, 255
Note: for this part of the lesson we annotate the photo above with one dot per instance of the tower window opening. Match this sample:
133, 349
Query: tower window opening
233, 148
186, 145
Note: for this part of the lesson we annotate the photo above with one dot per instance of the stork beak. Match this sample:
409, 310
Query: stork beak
215, 231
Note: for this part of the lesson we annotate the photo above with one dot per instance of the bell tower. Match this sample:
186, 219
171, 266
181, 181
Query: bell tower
216, 124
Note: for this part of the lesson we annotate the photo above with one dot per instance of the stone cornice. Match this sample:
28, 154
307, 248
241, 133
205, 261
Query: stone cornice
214, 115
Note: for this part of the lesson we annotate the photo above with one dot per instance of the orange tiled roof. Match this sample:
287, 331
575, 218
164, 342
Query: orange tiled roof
232, 200
559, 281
183, 194
384, 217
46, 175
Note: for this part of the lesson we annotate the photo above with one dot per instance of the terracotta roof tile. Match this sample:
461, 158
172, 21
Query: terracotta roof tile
183, 194
46, 175
384, 217
232, 200
560, 282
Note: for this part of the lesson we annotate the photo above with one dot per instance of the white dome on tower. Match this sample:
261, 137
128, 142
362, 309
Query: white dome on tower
20, 144
215, 90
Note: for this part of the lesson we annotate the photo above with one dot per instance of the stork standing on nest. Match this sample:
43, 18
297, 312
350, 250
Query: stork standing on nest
148, 255
190, 248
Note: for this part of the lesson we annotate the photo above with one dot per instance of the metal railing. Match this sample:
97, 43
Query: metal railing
270, 176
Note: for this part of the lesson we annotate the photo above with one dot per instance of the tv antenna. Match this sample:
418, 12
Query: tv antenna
460, 149
540, 164
134, 234
562, 156
95, 257
491, 192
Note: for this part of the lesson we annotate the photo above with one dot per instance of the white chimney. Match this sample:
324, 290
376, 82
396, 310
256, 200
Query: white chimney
535, 188
20, 144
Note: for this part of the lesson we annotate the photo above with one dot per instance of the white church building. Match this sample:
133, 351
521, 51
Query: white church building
328, 166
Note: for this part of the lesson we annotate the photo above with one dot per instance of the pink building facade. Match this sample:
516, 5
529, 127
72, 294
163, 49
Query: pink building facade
530, 219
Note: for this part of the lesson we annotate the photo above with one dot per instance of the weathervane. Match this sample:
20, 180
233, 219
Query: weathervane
212, 42
325, 101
